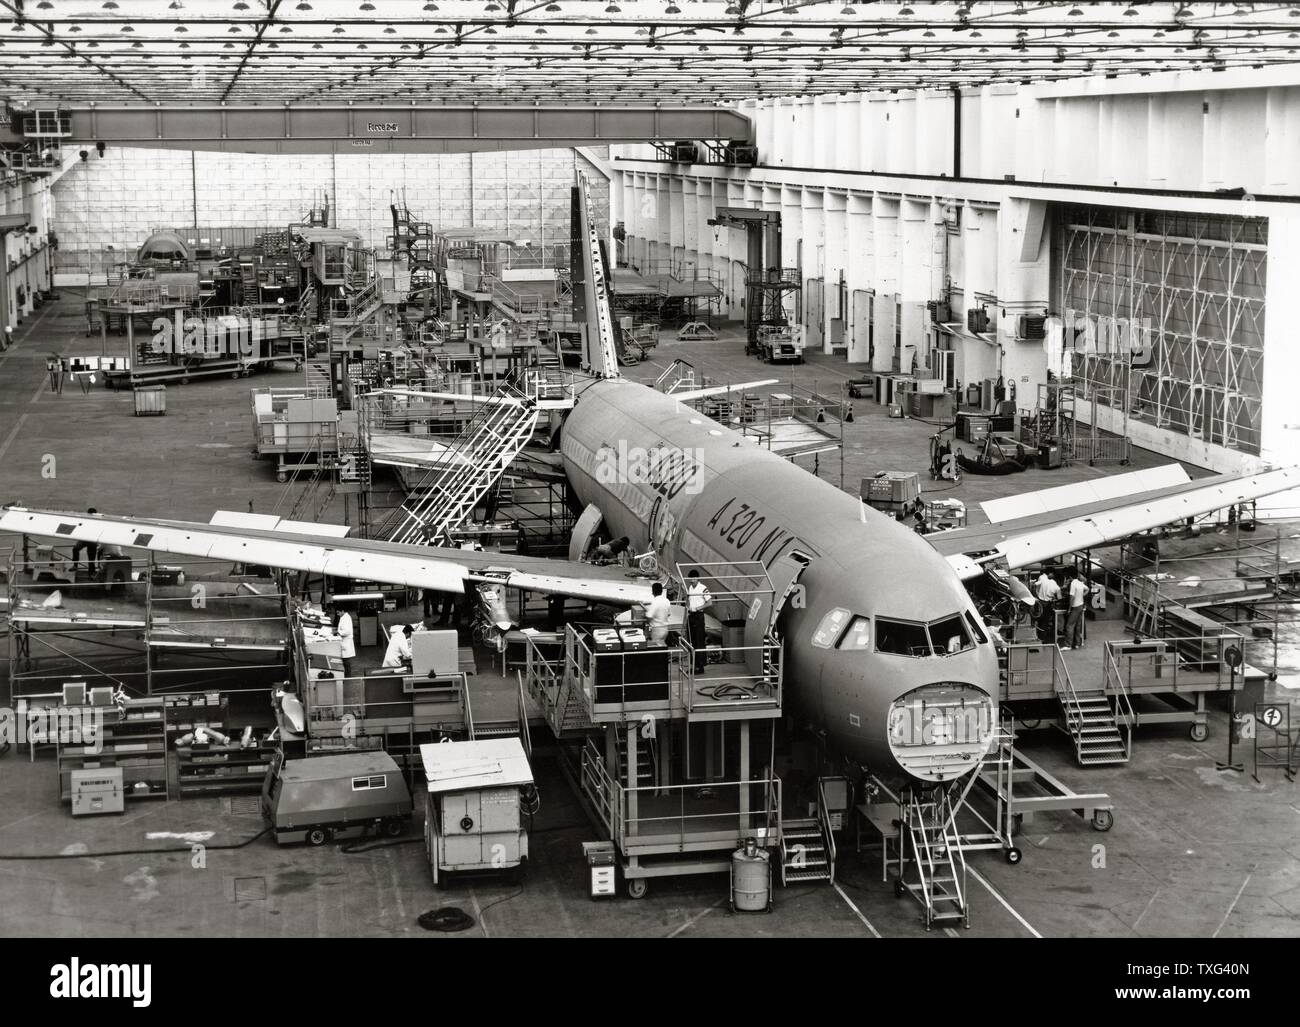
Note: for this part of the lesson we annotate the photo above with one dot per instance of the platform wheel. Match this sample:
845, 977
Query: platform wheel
392, 827
637, 888
234, 375
318, 836
1017, 824
1014, 855
184, 380
900, 889
1102, 820
281, 477
1199, 732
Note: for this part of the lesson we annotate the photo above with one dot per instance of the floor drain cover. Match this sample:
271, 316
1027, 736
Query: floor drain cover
248, 889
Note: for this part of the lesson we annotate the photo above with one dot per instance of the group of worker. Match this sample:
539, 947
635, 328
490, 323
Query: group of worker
658, 616
398, 651
1051, 596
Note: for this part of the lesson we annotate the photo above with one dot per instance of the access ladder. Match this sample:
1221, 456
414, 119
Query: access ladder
468, 471
933, 861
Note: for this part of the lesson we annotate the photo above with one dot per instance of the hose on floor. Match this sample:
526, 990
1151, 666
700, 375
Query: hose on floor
133, 852
448, 920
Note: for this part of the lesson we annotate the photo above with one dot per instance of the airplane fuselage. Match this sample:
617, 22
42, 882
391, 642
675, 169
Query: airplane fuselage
861, 655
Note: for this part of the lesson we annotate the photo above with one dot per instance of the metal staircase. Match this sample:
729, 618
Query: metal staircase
1102, 731
468, 471
645, 761
316, 376
362, 309
319, 488
808, 845
804, 856
678, 375
933, 864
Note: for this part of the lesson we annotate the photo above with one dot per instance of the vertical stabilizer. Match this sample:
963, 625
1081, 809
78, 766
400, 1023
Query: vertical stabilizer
590, 286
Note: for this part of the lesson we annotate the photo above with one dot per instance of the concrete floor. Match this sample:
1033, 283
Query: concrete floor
1193, 852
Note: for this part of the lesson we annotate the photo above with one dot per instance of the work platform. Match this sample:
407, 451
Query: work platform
142, 626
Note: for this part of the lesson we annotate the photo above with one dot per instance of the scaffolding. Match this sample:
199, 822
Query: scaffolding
145, 627
1240, 584
1167, 311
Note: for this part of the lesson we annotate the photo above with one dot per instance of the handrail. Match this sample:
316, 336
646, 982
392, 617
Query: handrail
824, 818
952, 840
318, 447
469, 709
1059, 672
525, 735
1123, 701
921, 852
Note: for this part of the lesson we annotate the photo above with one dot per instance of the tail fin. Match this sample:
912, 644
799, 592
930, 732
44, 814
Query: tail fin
591, 287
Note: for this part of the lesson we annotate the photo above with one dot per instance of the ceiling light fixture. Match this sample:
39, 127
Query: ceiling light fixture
674, 9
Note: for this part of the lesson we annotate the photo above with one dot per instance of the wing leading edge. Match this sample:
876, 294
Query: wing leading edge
288, 545
1031, 539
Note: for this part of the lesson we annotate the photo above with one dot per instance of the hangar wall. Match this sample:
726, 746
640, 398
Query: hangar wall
117, 200
898, 231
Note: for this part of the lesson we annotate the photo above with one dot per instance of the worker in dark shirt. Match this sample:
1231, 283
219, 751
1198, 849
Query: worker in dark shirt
610, 551
92, 553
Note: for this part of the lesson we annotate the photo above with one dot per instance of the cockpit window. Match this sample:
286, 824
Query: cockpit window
828, 631
901, 638
858, 636
950, 635
975, 628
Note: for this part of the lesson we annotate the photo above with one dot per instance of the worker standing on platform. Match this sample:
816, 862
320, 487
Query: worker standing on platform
697, 598
92, 550
657, 612
1074, 619
1048, 593
348, 647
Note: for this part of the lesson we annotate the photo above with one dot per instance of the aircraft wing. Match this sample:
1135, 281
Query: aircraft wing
686, 395
1040, 525
269, 541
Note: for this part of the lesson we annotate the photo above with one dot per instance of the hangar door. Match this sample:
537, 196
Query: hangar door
813, 307
861, 327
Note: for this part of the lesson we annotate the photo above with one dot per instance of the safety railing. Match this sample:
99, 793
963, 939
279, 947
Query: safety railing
1118, 692
677, 816
828, 831
615, 686
599, 787
1065, 690
728, 684
1188, 663
1030, 671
